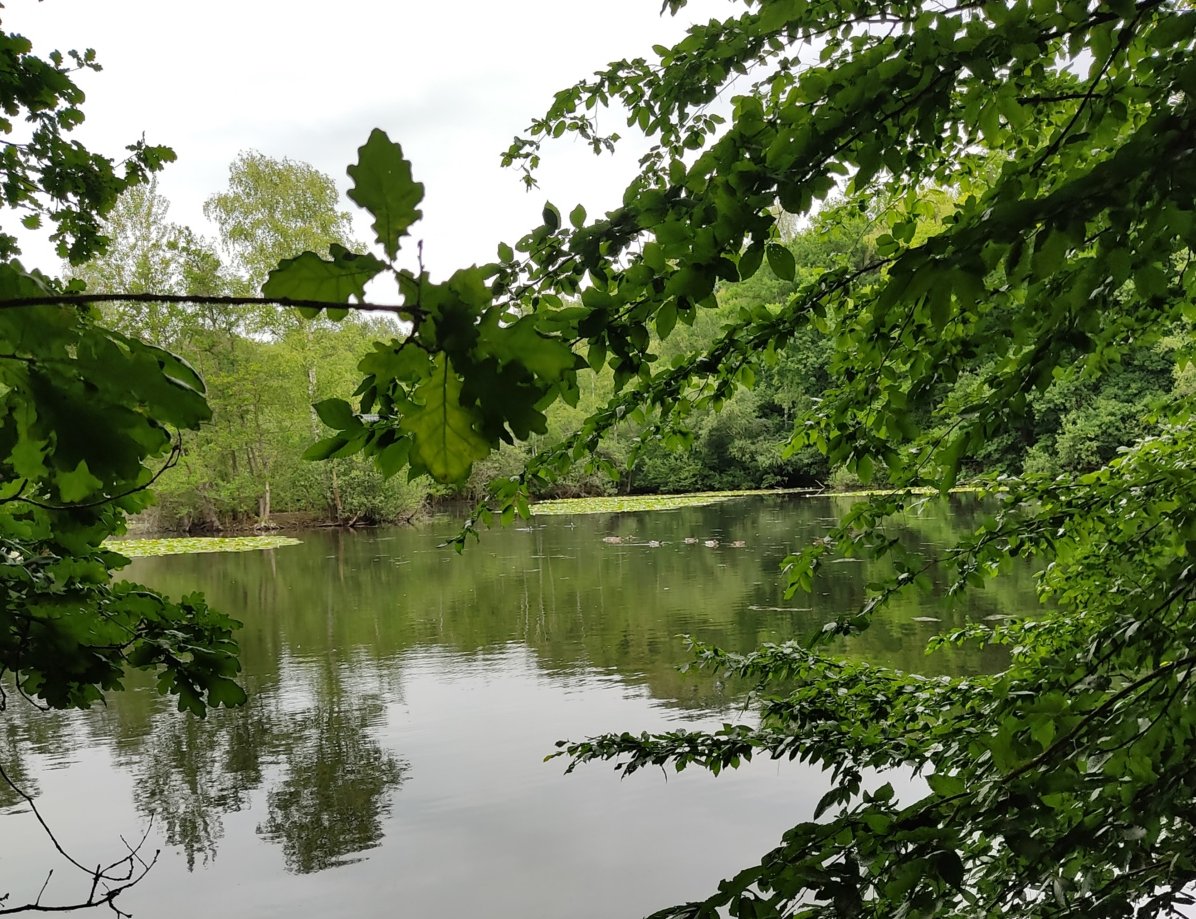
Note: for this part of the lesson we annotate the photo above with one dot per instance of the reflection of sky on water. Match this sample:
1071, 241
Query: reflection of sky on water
403, 701
478, 825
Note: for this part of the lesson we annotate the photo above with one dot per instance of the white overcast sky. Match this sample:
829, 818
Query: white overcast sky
453, 82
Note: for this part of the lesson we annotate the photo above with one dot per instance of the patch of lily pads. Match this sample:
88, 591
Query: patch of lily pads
622, 504
191, 545
875, 492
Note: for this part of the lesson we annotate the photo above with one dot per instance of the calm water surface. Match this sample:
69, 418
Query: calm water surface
403, 699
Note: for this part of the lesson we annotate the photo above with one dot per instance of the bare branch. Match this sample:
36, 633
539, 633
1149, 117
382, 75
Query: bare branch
115, 878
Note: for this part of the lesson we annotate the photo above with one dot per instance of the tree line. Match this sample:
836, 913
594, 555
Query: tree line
265, 371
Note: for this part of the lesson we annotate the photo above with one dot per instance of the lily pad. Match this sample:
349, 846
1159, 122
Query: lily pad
189, 545
622, 504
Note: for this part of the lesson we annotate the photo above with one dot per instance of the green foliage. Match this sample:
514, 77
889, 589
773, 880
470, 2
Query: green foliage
274, 209
1027, 230
47, 175
1056, 261
88, 418
147, 252
262, 369
467, 377
86, 415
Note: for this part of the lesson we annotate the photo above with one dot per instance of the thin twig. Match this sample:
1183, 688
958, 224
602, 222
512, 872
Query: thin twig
1123, 41
100, 874
36, 813
45, 884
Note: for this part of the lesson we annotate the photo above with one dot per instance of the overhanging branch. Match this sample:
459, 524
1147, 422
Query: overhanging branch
410, 313
115, 878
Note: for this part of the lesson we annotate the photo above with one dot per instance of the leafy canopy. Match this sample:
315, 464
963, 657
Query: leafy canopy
88, 418
1055, 138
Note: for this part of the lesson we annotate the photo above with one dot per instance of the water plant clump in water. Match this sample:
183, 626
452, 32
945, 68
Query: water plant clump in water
620, 504
190, 545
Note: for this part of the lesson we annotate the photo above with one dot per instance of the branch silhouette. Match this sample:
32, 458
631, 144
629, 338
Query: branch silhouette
114, 878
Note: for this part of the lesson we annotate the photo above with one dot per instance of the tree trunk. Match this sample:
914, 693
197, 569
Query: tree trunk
338, 511
332, 485
263, 506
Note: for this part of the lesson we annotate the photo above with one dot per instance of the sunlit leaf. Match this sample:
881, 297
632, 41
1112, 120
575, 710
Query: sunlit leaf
383, 185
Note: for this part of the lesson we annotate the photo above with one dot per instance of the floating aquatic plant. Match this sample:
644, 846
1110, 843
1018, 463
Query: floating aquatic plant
189, 545
620, 504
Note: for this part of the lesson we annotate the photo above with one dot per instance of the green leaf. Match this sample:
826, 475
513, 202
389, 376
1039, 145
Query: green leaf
396, 361
547, 358
223, 691
77, 484
383, 185
750, 261
945, 785
781, 261
1150, 281
551, 216
445, 438
336, 280
666, 318
577, 217
337, 414
323, 449
394, 457
949, 867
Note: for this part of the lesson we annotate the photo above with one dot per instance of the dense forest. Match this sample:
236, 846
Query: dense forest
265, 370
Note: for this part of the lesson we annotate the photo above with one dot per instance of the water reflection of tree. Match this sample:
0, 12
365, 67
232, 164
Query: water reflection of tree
190, 773
12, 746
303, 750
328, 780
578, 602
25, 730
330, 805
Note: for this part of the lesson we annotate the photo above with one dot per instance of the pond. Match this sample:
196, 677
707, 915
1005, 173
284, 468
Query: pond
403, 699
